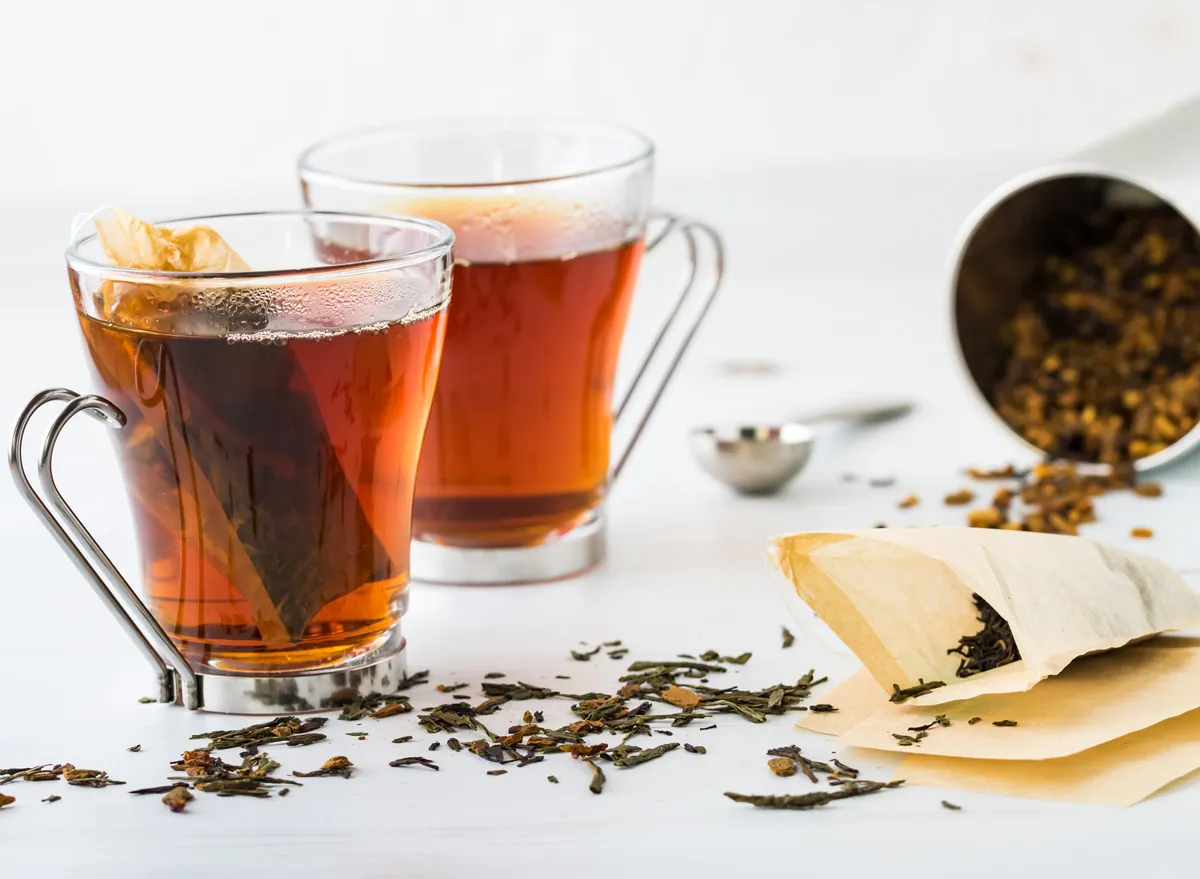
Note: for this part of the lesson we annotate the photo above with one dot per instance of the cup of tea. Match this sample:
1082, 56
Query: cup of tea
551, 223
269, 426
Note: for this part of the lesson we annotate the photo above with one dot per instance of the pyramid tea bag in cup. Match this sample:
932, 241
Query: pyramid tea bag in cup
273, 415
903, 600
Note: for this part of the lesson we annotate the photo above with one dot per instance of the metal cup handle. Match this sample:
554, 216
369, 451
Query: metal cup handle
170, 667
694, 232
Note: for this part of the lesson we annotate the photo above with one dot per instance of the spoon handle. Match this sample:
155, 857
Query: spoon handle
860, 413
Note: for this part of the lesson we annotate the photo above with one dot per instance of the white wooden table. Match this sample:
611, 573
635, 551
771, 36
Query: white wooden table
837, 278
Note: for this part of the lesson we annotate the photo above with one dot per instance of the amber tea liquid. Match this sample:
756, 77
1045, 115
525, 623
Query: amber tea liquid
517, 446
271, 483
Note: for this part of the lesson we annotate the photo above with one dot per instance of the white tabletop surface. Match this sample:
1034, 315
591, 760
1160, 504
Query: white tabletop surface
836, 278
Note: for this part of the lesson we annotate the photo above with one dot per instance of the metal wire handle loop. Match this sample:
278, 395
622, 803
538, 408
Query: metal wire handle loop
83, 550
692, 230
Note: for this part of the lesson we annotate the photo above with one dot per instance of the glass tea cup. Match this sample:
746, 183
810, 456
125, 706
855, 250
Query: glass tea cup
270, 423
551, 224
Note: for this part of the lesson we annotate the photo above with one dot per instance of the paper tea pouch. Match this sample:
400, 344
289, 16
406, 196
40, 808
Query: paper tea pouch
1004, 608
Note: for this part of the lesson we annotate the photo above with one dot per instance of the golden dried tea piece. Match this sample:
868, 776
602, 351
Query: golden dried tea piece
911, 501
1141, 533
988, 517
392, 709
959, 498
782, 766
177, 798
681, 697
1148, 489
6, 800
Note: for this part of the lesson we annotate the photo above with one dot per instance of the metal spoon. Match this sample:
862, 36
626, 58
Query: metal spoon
761, 459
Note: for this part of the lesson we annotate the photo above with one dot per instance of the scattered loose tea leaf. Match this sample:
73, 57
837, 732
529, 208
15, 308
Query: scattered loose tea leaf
450, 688
900, 695
433, 746
53, 798
946, 804
87, 777
597, 783
134, 748
1148, 489
843, 769
6, 800
177, 798
851, 788
583, 656
453, 744
740, 659
285, 791
974, 720
146, 700
402, 740
959, 498
1004, 723
551, 779
1141, 533
788, 638
161, 789
909, 502
694, 749
822, 708
497, 772
334, 766
492, 675
415, 761
391, 710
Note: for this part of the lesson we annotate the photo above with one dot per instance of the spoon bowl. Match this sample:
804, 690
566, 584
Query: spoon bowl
754, 459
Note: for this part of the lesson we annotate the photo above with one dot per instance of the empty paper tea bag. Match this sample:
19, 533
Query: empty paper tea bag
908, 601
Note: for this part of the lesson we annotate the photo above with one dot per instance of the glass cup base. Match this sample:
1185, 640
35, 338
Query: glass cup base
321, 689
574, 553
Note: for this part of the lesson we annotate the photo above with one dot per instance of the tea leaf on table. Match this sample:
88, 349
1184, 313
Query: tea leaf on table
334, 766
788, 638
415, 761
53, 798
585, 656
946, 804
6, 800
1004, 723
816, 798
177, 798
597, 783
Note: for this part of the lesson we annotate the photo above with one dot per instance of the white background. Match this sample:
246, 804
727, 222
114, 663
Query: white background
838, 146
118, 99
